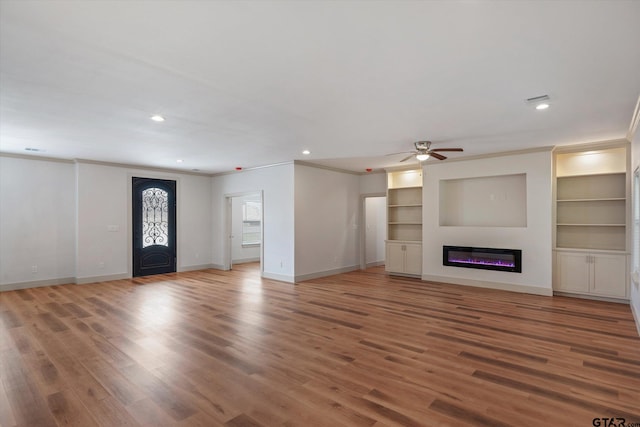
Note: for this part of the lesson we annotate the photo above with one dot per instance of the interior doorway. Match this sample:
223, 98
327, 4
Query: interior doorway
374, 235
154, 226
244, 226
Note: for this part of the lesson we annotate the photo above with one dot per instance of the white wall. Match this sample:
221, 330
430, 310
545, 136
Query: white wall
373, 183
326, 221
239, 253
37, 222
375, 229
277, 183
104, 199
535, 240
635, 286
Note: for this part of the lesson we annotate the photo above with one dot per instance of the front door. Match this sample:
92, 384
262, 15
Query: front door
154, 226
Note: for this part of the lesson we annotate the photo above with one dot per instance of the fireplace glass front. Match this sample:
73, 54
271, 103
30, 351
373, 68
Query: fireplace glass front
483, 258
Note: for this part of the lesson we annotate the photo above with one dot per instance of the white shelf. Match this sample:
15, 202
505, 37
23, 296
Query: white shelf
404, 222
608, 199
603, 251
590, 225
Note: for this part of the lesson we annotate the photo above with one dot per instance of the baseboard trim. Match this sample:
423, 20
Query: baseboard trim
374, 264
636, 317
523, 289
96, 279
591, 297
278, 277
303, 277
37, 284
196, 267
245, 260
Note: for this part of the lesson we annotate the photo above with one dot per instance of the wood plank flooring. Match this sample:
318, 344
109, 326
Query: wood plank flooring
213, 348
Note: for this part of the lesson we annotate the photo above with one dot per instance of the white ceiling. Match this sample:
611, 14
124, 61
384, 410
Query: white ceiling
254, 83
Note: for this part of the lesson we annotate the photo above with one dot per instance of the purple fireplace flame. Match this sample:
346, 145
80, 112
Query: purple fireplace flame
481, 261
483, 258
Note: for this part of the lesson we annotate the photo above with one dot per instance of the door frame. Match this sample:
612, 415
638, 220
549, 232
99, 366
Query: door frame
363, 228
129, 184
227, 258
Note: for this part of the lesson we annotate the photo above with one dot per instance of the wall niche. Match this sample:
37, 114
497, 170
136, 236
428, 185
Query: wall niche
490, 201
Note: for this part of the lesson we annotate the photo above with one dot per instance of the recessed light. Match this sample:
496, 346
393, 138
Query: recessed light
179, 160
306, 152
542, 106
157, 118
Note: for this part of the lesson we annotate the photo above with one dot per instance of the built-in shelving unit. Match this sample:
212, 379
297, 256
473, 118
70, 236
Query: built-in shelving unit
404, 222
591, 220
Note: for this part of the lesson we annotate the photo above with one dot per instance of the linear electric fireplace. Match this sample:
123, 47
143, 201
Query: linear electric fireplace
483, 258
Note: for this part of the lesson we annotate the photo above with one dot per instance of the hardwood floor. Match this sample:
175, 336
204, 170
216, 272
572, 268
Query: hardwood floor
213, 348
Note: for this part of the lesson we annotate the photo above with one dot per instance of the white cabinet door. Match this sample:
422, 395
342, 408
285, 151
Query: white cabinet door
413, 259
572, 272
609, 275
395, 258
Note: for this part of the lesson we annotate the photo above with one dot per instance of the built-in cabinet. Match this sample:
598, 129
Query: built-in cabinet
405, 258
599, 274
591, 220
404, 227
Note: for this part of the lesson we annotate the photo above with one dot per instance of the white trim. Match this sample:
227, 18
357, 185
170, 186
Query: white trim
37, 284
375, 264
326, 273
250, 169
197, 267
278, 277
490, 285
598, 145
245, 260
140, 167
96, 279
636, 317
590, 297
35, 157
329, 168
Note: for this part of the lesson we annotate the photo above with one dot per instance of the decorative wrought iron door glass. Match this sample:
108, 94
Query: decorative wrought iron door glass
155, 217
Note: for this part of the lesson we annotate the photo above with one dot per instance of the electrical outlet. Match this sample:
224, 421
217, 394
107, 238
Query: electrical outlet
34, 268
101, 264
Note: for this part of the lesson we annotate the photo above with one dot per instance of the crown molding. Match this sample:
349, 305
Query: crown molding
35, 157
329, 168
141, 167
613, 143
547, 148
251, 169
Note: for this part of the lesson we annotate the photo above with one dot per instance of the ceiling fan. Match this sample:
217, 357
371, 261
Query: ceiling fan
423, 151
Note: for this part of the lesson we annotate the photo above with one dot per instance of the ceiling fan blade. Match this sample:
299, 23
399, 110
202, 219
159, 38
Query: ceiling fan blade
446, 149
437, 156
400, 152
407, 158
